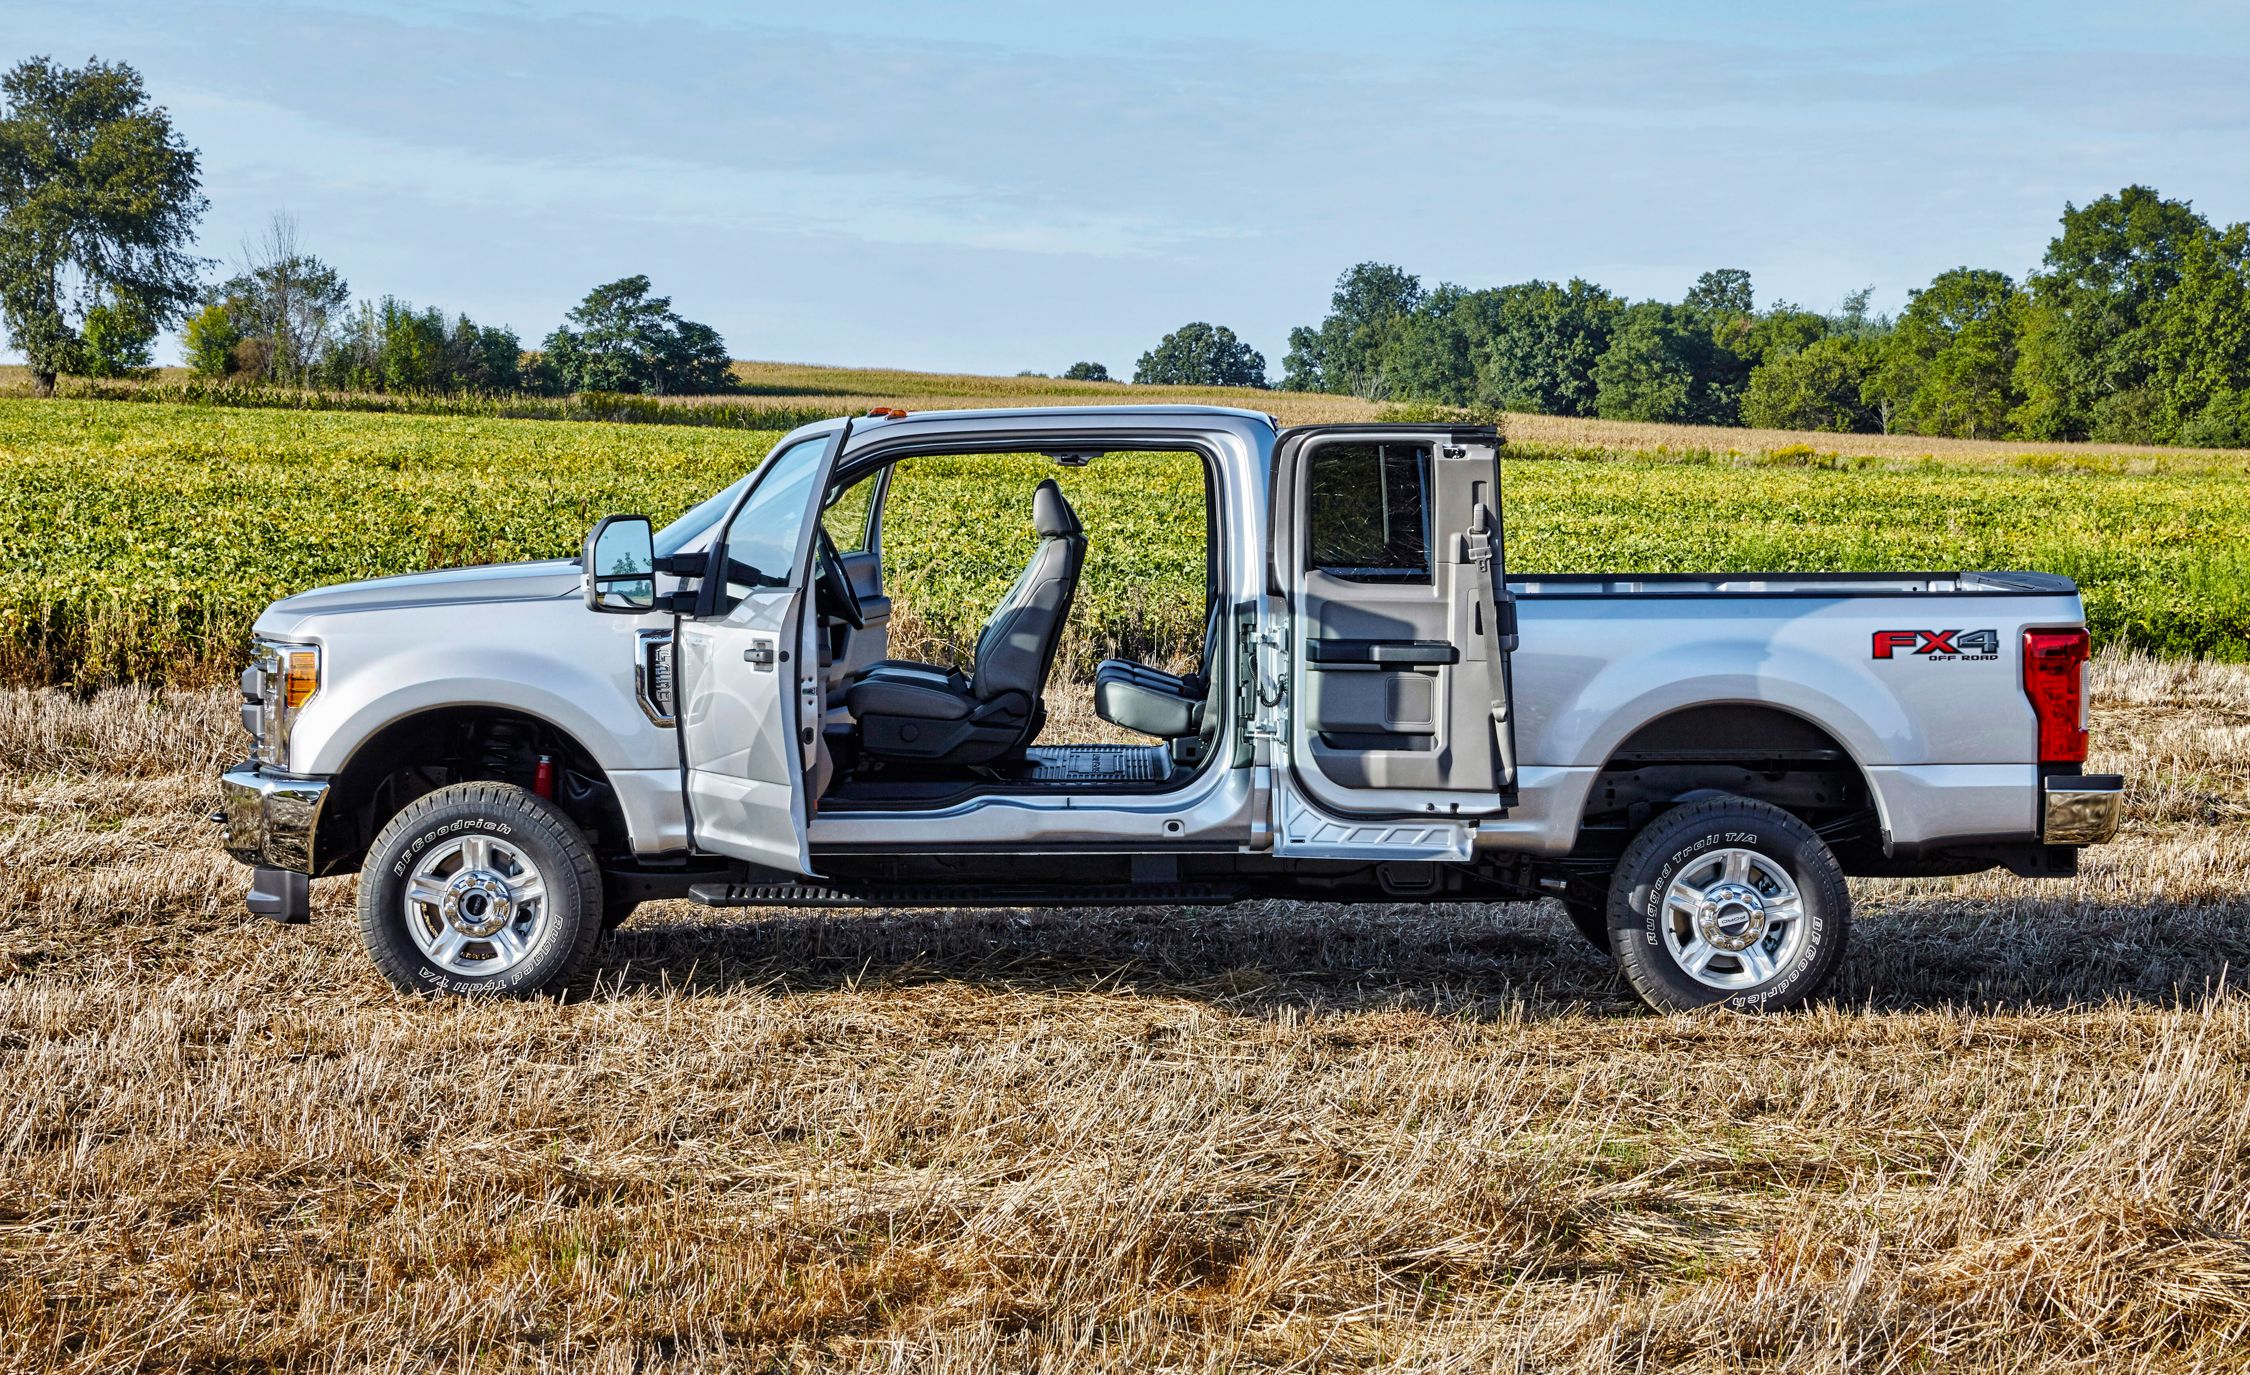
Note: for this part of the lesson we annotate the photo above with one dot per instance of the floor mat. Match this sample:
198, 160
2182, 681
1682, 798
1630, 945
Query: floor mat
1106, 763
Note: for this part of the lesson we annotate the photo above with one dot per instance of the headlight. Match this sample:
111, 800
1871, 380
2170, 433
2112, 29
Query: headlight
282, 678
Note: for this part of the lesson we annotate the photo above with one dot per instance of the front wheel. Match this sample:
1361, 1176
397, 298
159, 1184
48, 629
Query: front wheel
480, 888
1728, 901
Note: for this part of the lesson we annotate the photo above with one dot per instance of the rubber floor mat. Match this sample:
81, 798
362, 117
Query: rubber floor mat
1082, 763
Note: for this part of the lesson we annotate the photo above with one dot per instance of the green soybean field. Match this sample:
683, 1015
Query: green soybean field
138, 541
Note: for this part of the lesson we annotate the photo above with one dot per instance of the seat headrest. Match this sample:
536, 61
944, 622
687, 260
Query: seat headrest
1051, 516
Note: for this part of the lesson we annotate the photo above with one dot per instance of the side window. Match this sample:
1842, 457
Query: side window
1368, 512
845, 517
763, 541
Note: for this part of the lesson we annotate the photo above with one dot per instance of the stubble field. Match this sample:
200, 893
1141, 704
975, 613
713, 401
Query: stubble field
2017, 1136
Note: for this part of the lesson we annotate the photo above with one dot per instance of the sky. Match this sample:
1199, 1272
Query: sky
1007, 185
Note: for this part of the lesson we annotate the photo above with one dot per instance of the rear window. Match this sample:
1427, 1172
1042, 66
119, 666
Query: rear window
1368, 512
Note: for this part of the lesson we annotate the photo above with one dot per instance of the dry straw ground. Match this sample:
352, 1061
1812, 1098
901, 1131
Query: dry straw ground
1273, 1136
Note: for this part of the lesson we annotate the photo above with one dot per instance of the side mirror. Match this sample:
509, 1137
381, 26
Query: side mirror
620, 564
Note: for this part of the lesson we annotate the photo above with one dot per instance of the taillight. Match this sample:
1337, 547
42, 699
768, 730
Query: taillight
2054, 678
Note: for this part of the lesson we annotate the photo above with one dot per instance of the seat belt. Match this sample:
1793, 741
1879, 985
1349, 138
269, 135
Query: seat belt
1497, 643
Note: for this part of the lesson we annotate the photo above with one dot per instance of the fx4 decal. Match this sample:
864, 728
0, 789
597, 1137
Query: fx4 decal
1939, 646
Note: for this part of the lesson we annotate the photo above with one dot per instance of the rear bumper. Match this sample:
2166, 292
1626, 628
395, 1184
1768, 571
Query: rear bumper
271, 818
2080, 809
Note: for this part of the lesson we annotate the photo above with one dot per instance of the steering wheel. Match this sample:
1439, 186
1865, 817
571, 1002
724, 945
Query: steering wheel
832, 587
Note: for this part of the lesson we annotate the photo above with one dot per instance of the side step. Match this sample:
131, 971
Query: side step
944, 895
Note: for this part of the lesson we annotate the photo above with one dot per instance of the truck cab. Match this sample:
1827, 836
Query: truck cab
513, 758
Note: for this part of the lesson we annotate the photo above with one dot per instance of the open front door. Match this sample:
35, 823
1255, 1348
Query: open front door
1387, 551
748, 670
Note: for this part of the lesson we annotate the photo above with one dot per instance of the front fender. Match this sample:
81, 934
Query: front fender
589, 697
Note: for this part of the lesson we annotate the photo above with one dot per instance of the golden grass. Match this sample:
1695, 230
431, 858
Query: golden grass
1274, 1136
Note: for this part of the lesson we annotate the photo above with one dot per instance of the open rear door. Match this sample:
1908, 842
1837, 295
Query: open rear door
748, 670
1386, 550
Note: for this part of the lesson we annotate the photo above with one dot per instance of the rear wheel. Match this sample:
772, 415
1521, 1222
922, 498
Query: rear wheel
480, 888
1728, 901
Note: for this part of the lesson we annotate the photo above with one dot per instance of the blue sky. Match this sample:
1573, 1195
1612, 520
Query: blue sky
998, 186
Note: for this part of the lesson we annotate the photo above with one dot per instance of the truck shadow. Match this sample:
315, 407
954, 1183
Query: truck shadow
1515, 960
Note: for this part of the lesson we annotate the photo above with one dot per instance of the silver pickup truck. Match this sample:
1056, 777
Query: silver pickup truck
513, 757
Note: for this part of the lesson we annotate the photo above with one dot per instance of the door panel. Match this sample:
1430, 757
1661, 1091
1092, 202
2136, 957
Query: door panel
748, 676
872, 644
1392, 676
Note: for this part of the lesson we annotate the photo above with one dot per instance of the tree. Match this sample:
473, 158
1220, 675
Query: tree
1822, 386
118, 337
1662, 364
1430, 354
1345, 352
1722, 291
2200, 343
282, 306
1201, 355
1086, 372
2089, 342
630, 341
1541, 352
98, 204
211, 339
1951, 363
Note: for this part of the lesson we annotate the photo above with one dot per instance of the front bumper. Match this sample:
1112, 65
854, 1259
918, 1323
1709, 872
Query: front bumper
2080, 809
271, 818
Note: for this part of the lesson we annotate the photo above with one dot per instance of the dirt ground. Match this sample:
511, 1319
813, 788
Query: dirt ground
2016, 1137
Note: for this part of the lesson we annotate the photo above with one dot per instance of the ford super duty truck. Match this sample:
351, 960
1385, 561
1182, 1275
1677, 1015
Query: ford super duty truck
512, 758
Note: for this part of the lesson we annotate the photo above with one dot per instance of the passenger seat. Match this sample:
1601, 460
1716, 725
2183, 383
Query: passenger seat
1161, 704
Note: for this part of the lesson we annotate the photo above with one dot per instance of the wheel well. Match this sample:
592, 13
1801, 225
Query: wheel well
421, 753
1742, 749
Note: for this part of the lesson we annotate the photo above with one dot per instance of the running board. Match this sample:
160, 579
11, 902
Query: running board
944, 895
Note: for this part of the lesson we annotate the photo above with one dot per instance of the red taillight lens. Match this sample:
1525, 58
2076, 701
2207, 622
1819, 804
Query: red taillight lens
2054, 678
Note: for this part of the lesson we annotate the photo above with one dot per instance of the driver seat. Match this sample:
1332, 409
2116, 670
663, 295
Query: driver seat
938, 715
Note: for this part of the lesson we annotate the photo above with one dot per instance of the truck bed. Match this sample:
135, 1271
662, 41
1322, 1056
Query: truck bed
1979, 584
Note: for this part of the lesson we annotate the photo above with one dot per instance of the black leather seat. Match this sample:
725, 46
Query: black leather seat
939, 715
1154, 702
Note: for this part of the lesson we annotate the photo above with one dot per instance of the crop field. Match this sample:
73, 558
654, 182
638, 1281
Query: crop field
138, 540
1276, 1136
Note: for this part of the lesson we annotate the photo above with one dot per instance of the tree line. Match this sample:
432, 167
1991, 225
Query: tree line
99, 199
2135, 328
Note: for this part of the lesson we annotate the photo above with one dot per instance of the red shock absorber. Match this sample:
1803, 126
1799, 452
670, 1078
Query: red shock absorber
543, 777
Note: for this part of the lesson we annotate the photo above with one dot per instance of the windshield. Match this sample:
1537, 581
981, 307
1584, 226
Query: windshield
700, 519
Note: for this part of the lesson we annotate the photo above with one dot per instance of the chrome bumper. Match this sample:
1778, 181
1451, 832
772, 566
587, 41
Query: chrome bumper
2081, 809
270, 819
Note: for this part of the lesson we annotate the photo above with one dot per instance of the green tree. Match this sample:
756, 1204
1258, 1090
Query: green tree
118, 337
282, 307
628, 340
2200, 343
1345, 352
1202, 355
1086, 372
1951, 363
1822, 386
2089, 349
1722, 291
1430, 354
98, 205
1544, 344
1663, 364
211, 338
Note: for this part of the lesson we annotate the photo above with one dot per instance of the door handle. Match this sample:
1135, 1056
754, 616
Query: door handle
761, 655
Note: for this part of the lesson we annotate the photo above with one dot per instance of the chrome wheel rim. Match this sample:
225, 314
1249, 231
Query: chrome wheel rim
1733, 919
476, 906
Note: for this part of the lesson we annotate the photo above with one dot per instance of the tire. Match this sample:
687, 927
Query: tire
498, 877
1707, 875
